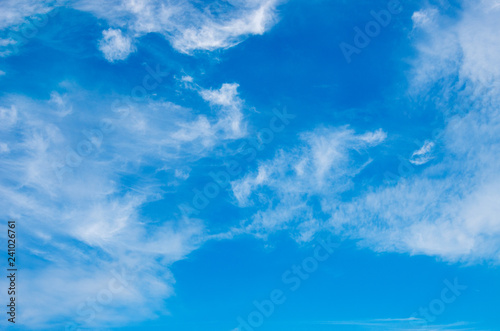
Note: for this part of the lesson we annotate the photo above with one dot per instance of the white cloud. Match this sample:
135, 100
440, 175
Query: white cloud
228, 123
115, 46
448, 210
5, 50
61, 104
138, 274
14, 12
6, 42
188, 25
16, 26
213, 33
425, 17
88, 207
480, 47
4, 148
226, 99
66, 199
8, 116
323, 166
424, 154
182, 173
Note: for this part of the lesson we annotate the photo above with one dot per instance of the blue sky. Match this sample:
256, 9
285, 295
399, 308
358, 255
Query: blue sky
252, 165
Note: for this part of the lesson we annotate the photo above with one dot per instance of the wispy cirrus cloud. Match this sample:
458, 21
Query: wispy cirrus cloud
115, 46
424, 154
15, 12
400, 324
85, 227
87, 215
188, 25
283, 188
448, 210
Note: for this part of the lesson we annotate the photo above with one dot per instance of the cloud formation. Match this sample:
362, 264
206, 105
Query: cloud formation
187, 25
424, 154
115, 46
448, 208
283, 188
76, 189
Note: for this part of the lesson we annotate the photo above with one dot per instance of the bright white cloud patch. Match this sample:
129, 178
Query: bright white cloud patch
79, 186
188, 25
212, 34
115, 46
226, 99
424, 154
450, 209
